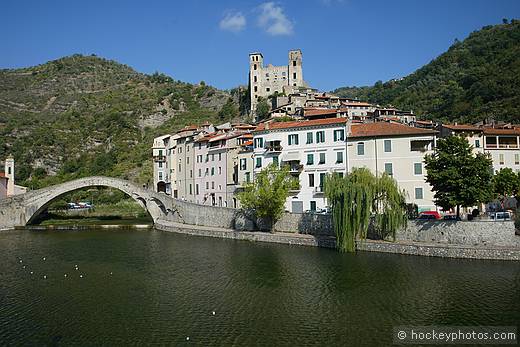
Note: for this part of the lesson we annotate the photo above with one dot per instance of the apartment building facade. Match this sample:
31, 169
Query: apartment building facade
501, 143
311, 149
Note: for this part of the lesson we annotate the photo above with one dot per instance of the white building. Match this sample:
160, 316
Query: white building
501, 143
311, 149
399, 151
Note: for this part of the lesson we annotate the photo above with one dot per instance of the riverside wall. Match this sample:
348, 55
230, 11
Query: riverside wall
457, 239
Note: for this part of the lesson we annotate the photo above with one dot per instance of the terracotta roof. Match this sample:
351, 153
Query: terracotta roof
309, 112
248, 143
495, 131
386, 129
356, 103
207, 137
188, 127
461, 127
303, 123
429, 122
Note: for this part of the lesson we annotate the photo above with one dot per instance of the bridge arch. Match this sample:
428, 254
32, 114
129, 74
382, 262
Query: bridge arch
37, 201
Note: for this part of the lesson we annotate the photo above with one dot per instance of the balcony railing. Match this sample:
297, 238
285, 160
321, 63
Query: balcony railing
159, 158
295, 168
273, 148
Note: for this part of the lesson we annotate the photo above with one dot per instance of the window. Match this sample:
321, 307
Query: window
275, 160
179, 167
190, 190
258, 162
339, 135
220, 156
310, 159
388, 145
187, 160
313, 205
501, 159
213, 157
200, 172
320, 136
212, 171
191, 173
322, 180
477, 143
256, 88
294, 75
219, 187
248, 178
322, 158
243, 164
267, 89
207, 171
293, 64
311, 180
180, 149
417, 168
207, 185
517, 159
254, 79
160, 176
197, 189
293, 139
207, 158
361, 148
309, 138
254, 66
160, 165
220, 170
418, 193
213, 185
259, 142
339, 157
389, 169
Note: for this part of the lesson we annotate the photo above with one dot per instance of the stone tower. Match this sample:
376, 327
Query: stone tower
256, 65
295, 68
267, 80
9, 173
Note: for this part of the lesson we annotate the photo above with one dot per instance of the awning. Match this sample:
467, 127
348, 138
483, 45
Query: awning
291, 156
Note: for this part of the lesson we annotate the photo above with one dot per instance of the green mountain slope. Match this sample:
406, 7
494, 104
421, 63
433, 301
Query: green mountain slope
475, 79
83, 115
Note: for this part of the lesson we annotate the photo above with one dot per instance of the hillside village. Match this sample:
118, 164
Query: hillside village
315, 133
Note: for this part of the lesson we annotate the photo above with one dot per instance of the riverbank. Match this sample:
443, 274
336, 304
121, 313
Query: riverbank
398, 247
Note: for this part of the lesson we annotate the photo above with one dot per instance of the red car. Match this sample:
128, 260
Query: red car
429, 215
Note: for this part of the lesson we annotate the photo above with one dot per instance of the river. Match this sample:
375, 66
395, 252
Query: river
153, 287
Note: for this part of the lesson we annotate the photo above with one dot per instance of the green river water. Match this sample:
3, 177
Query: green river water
157, 288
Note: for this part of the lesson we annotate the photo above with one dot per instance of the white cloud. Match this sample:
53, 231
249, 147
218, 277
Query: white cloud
233, 21
273, 20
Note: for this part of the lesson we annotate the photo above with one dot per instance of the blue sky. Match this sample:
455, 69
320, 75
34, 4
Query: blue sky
344, 42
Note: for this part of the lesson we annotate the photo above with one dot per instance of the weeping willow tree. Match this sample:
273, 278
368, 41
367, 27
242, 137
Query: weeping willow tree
354, 198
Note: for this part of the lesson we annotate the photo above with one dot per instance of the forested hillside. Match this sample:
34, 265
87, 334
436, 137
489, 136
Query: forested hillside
83, 115
475, 79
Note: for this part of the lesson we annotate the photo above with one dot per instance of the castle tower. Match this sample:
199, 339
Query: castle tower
295, 68
9, 173
256, 64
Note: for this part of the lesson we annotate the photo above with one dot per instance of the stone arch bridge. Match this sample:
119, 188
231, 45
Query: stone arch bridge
21, 210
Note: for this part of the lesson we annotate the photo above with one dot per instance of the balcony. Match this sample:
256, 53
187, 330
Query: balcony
157, 158
295, 168
273, 146
319, 190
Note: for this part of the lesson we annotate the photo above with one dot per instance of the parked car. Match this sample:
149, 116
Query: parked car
429, 215
451, 217
500, 215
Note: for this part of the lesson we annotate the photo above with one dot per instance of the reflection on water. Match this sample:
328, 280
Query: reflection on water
151, 287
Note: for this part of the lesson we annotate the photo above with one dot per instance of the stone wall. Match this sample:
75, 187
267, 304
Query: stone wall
462, 233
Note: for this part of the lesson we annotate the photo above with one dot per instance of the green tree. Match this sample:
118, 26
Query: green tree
358, 196
229, 110
458, 177
266, 195
506, 184
262, 109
